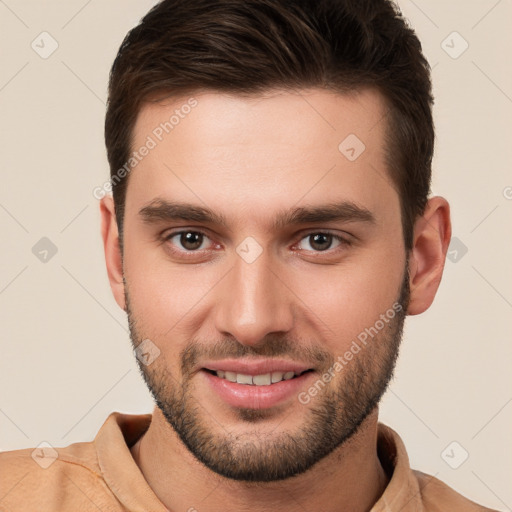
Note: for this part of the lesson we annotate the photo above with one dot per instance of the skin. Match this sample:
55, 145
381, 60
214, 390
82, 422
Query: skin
236, 156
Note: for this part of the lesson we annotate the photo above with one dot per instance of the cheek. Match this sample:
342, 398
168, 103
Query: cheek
342, 302
165, 297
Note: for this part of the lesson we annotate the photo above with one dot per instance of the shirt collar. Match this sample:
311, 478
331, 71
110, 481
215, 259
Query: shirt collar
402, 492
121, 473
124, 478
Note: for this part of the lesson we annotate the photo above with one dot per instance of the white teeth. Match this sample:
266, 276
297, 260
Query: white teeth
277, 377
265, 379
231, 376
262, 380
243, 379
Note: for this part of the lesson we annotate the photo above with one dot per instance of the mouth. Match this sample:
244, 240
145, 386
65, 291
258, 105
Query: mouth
256, 384
264, 379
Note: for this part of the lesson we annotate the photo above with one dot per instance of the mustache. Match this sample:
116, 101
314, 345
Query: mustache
273, 346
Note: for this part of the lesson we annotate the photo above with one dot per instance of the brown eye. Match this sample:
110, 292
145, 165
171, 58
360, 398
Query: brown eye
191, 240
188, 240
320, 241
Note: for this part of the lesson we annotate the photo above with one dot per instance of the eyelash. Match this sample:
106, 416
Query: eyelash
343, 242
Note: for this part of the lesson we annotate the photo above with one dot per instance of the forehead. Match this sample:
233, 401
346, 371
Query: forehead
262, 152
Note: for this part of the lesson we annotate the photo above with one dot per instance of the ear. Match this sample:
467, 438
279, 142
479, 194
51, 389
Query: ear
431, 238
113, 258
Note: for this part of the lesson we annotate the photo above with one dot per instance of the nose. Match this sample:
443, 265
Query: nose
253, 302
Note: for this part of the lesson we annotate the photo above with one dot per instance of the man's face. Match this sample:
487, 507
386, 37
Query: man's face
286, 248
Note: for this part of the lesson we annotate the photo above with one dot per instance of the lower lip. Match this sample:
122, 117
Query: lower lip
256, 397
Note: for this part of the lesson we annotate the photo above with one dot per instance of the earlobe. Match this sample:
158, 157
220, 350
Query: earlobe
113, 257
432, 233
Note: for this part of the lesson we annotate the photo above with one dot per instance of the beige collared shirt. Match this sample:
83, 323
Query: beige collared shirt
102, 476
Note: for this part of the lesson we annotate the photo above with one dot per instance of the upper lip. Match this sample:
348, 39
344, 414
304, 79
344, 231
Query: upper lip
256, 367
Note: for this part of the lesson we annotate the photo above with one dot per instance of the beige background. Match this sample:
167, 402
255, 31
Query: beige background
65, 354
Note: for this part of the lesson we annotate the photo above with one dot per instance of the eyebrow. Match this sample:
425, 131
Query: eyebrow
163, 210
346, 211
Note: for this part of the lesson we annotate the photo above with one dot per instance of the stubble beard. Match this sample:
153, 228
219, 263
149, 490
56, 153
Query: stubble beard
331, 418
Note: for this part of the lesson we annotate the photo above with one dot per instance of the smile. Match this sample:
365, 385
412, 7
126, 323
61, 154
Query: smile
266, 379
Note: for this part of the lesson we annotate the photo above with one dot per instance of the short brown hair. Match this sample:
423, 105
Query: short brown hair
250, 46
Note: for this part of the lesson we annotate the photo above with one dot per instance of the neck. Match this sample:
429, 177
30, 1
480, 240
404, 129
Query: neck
350, 478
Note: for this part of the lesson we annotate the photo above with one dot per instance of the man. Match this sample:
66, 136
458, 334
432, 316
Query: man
270, 228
